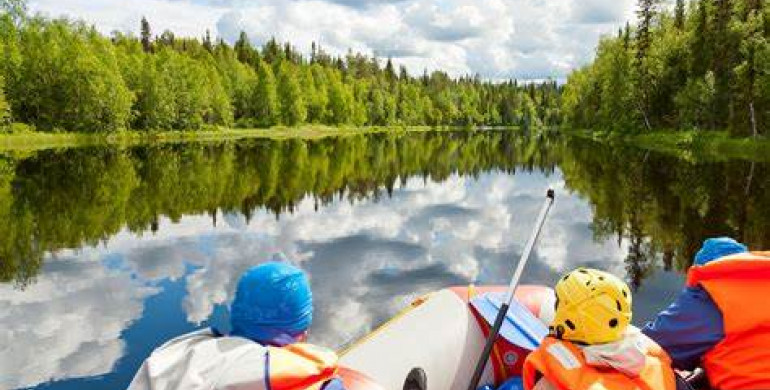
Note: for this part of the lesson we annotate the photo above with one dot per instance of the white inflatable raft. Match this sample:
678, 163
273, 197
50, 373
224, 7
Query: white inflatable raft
443, 333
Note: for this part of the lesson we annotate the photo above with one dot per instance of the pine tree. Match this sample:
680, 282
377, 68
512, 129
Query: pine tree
723, 62
244, 51
679, 15
207, 43
167, 38
627, 36
272, 52
646, 13
403, 74
146, 35
390, 71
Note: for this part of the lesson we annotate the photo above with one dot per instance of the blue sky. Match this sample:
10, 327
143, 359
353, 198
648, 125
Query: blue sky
528, 39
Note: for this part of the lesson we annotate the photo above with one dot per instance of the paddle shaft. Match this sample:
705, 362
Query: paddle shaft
509, 295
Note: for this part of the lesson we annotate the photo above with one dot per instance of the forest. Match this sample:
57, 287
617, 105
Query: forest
702, 65
699, 65
65, 76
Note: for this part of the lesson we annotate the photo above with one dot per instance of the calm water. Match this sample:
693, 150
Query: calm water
106, 253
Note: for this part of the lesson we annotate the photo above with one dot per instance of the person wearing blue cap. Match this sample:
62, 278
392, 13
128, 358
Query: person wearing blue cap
270, 315
711, 325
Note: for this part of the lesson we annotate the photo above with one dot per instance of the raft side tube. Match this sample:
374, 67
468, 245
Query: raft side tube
439, 333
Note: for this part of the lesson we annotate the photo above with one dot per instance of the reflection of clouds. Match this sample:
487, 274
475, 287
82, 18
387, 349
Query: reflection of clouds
366, 259
68, 323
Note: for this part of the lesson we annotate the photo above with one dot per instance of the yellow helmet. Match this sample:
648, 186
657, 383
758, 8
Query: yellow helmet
592, 307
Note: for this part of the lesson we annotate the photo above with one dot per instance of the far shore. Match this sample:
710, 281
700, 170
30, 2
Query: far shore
691, 145
37, 140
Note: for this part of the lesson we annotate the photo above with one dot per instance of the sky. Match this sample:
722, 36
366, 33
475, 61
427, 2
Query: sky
497, 39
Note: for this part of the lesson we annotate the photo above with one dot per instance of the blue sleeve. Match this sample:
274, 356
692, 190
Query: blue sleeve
687, 329
334, 384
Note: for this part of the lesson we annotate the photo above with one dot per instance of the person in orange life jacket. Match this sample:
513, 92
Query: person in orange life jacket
711, 323
592, 345
270, 315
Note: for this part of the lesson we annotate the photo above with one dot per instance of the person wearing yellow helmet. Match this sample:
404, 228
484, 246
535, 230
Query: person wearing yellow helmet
592, 344
599, 302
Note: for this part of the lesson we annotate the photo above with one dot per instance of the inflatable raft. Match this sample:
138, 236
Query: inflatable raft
443, 334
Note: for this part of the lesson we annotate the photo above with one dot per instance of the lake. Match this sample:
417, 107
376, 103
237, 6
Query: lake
108, 252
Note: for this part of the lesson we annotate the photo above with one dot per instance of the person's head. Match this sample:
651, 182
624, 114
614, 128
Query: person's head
715, 248
592, 307
273, 304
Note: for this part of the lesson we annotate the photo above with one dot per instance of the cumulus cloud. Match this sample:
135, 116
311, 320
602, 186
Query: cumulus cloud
495, 38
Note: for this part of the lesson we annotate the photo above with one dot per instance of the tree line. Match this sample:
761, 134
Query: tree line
704, 65
64, 75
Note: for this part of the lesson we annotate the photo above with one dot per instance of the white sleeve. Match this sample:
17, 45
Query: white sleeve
544, 384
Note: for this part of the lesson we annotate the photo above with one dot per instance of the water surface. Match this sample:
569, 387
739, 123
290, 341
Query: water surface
108, 252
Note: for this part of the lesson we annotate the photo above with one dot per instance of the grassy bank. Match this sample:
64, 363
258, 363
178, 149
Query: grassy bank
689, 145
30, 141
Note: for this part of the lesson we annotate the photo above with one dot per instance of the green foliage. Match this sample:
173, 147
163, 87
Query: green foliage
293, 108
68, 77
703, 66
267, 108
5, 109
63, 75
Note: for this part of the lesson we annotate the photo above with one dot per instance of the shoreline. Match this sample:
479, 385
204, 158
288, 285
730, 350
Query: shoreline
690, 145
34, 141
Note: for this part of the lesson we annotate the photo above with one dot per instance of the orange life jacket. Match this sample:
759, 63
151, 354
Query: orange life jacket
300, 367
564, 365
739, 285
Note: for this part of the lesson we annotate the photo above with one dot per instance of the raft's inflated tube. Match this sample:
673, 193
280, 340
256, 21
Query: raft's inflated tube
439, 333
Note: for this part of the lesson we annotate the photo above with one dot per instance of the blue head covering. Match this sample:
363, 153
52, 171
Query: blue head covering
273, 304
714, 248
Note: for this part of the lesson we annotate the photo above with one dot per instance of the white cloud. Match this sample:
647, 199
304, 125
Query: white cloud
182, 17
599, 11
495, 38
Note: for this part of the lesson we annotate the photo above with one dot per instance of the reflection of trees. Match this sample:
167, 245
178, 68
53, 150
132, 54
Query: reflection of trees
65, 199
663, 206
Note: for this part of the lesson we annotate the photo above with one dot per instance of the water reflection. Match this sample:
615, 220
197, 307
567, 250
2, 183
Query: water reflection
665, 206
114, 251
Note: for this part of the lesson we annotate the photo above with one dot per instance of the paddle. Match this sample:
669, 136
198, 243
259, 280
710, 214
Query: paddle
509, 295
